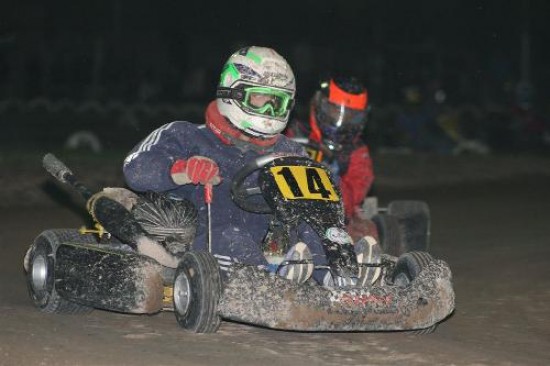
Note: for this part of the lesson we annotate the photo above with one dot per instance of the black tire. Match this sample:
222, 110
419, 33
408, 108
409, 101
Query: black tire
41, 274
414, 222
407, 268
389, 234
197, 290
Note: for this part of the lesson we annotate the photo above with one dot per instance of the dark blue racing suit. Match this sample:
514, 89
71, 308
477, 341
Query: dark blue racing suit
236, 234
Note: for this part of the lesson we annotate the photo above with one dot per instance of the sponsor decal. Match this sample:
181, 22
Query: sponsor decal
338, 235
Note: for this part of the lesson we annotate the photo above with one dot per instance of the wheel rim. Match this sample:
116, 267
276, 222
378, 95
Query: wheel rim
182, 293
39, 273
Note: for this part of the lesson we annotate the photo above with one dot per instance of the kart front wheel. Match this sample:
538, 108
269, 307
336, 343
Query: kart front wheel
197, 289
407, 268
41, 271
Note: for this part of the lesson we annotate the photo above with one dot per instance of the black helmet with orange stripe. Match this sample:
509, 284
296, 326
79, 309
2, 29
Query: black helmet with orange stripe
339, 110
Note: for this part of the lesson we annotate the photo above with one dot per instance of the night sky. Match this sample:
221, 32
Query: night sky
162, 40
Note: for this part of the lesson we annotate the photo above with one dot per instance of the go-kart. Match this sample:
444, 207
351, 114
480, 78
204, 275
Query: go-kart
74, 271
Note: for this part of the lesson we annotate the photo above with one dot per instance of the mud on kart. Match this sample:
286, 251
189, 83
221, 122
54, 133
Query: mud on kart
75, 271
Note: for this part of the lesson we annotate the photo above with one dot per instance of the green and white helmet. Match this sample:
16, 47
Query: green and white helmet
256, 91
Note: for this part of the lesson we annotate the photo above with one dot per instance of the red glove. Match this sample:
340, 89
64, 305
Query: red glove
196, 170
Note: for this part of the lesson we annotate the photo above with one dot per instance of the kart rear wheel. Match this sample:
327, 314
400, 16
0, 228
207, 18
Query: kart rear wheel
407, 268
197, 289
414, 223
389, 234
41, 273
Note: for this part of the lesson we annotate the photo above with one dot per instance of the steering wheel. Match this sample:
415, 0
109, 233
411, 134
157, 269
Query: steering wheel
246, 198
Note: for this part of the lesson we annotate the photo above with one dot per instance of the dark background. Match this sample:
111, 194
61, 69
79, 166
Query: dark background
121, 67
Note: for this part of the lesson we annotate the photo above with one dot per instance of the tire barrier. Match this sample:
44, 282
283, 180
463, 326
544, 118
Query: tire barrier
84, 139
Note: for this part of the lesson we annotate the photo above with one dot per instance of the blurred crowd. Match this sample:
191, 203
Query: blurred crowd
417, 124
430, 123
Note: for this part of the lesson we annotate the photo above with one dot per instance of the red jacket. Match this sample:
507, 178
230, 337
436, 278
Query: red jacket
356, 180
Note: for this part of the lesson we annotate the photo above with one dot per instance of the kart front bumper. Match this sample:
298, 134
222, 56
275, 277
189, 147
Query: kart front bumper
253, 296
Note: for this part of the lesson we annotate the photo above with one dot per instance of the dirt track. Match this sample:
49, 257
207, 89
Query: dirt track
494, 236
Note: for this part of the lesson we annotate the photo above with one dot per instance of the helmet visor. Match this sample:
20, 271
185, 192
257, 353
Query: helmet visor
267, 101
338, 116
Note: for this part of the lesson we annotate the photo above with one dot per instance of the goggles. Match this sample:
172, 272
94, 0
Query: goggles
267, 101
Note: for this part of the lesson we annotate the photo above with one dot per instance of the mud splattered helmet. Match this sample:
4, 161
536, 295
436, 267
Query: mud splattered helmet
339, 110
256, 92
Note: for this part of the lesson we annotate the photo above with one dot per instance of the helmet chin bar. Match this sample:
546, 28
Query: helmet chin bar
257, 134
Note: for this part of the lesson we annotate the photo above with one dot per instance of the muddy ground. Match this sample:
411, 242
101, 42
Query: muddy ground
493, 233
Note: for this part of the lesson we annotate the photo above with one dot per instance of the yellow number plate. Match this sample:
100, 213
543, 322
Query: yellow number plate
304, 182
